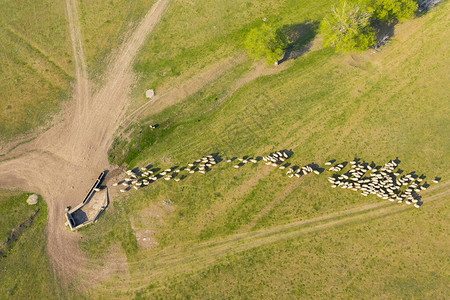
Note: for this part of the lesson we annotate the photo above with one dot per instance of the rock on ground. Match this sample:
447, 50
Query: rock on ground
33, 199
149, 94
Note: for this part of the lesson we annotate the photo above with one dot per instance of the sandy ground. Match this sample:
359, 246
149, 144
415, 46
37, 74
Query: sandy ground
62, 162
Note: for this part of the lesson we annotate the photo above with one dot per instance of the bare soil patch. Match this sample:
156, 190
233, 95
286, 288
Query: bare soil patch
62, 162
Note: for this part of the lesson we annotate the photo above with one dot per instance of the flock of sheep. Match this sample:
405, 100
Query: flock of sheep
387, 182
141, 177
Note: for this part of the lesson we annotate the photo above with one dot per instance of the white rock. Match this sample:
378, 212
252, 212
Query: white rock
150, 93
32, 199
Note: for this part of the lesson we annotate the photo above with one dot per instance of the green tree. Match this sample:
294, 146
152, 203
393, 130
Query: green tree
265, 42
347, 28
392, 10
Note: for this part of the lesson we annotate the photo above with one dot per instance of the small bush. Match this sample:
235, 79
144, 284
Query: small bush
347, 28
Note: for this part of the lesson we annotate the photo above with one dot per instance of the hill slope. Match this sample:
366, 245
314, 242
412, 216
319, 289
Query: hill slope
229, 232
36, 65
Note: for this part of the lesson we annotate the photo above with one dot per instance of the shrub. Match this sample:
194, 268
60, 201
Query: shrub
347, 28
265, 42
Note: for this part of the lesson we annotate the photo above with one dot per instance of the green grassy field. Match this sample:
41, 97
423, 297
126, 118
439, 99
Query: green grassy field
397, 256
193, 34
104, 25
17, 208
249, 232
25, 272
374, 105
36, 65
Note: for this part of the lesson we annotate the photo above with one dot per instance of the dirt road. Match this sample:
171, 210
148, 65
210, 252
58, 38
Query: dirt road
62, 162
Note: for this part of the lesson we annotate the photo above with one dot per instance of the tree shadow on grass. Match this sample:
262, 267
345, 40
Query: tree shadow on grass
383, 33
299, 38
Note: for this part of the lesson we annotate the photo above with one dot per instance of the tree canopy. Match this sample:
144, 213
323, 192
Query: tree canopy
265, 42
390, 10
347, 28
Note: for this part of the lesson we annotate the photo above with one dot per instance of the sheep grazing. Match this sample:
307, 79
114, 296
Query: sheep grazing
382, 181
277, 157
337, 167
97, 189
436, 179
122, 191
398, 172
369, 179
115, 184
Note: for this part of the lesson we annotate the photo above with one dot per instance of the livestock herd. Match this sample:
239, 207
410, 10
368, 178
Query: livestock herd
387, 182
